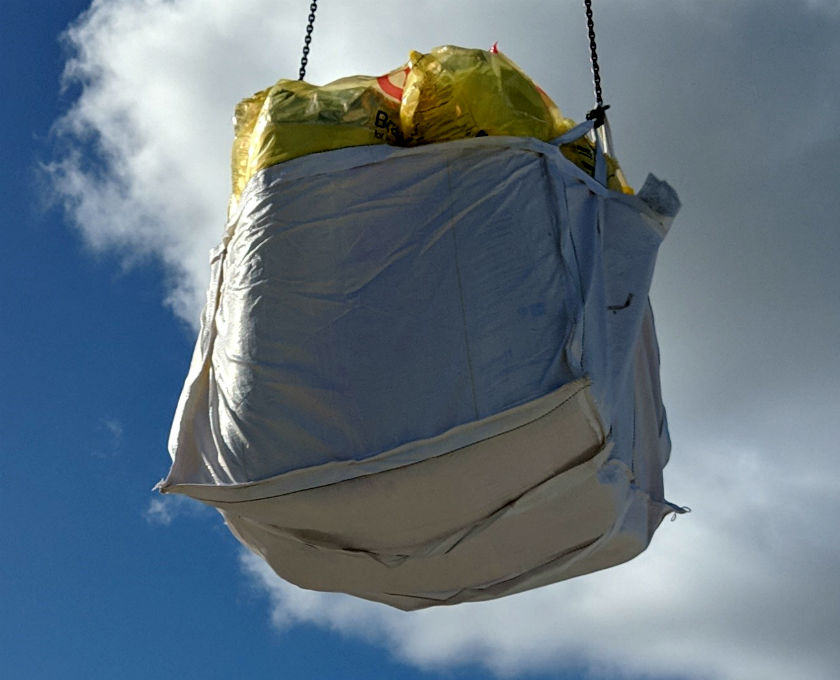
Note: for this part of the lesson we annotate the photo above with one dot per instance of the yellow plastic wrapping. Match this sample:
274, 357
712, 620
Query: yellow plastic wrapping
454, 92
244, 119
582, 153
295, 118
449, 93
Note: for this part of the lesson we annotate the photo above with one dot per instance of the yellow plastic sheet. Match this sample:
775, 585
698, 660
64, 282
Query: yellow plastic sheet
454, 92
244, 119
294, 118
582, 153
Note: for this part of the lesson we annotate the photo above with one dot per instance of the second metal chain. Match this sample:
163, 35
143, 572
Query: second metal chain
304, 60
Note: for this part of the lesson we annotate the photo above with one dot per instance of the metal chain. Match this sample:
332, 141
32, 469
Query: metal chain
597, 114
304, 60
593, 53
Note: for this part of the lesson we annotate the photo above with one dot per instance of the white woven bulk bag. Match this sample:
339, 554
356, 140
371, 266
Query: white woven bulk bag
427, 376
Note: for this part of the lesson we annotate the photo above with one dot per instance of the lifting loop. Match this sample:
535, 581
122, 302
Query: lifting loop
313, 7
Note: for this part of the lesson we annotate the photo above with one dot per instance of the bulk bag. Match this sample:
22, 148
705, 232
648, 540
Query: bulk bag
429, 375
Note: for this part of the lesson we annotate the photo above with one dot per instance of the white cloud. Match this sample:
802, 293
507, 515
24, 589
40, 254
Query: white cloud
163, 509
731, 103
160, 511
108, 438
147, 139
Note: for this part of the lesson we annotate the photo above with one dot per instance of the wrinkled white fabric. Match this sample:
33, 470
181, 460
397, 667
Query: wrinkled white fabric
380, 319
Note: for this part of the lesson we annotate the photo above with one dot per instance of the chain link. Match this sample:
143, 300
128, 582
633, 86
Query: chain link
304, 60
593, 55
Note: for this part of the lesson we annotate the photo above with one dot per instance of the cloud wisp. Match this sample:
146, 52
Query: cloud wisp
737, 117
163, 510
160, 511
108, 438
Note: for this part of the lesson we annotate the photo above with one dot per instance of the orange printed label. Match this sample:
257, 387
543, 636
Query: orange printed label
392, 83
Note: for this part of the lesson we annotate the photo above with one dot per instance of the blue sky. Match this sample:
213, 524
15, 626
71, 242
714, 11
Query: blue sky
90, 588
731, 102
